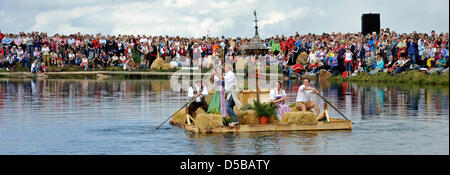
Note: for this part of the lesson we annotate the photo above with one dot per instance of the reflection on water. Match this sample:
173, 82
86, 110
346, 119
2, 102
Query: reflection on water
371, 100
119, 116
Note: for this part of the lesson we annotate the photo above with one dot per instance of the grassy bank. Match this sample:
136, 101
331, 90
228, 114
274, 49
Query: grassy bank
415, 77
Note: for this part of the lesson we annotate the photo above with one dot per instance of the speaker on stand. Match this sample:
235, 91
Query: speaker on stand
370, 23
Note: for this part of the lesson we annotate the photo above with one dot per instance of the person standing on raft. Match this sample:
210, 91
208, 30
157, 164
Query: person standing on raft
231, 93
304, 97
217, 104
279, 97
199, 101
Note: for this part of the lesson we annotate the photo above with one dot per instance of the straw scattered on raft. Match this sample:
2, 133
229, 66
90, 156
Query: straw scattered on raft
299, 118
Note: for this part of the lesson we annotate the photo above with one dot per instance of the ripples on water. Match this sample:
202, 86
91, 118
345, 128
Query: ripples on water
119, 117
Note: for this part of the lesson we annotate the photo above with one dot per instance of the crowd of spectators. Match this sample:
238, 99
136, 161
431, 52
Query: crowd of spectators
340, 53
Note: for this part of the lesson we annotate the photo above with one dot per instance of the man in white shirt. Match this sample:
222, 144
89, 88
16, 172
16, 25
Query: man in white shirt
195, 92
304, 97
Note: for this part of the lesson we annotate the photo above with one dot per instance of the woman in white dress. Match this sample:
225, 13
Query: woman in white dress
279, 97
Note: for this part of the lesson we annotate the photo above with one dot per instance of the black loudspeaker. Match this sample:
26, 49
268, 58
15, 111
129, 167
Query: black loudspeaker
370, 23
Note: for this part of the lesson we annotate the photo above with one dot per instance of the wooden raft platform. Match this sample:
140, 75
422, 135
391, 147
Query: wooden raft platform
333, 124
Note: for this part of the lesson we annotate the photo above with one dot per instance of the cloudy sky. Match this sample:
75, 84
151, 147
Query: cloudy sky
194, 18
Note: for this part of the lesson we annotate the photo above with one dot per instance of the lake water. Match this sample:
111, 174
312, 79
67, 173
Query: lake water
119, 117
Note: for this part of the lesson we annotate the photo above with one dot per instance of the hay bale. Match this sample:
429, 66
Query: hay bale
273, 119
165, 66
324, 75
302, 57
157, 64
198, 111
294, 109
299, 118
208, 121
247, 117
179, 117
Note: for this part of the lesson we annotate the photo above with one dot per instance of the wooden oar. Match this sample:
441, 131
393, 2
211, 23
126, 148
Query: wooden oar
190, 101
332, 105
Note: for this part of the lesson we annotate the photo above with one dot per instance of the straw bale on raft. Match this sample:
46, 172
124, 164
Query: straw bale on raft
294, 109
179, 117
250, 117
208, 121
299, 118
273, 119
198, 111
247, 117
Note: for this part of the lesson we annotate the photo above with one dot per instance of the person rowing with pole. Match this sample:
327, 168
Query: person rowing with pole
196, 101
198, 92
304, 98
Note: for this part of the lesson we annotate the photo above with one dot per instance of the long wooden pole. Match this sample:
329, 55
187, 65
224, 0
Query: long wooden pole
258, 90
323, 98
190, 101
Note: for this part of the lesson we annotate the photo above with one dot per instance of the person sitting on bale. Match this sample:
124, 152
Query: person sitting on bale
279, 97
304, 97
195, 92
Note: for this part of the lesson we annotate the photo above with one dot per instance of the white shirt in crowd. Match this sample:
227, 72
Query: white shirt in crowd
70, 41
45, 51
143, 40
34, 66
303, 95
71, 56
311, 58
204, 92
122, 58
348, 56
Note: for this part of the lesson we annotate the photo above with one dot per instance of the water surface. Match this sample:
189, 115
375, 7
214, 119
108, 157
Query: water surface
119, 117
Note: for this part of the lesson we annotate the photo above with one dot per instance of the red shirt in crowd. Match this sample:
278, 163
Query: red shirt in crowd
297, 68
1, 37
96, 44
182, 51
290, 42
283, 45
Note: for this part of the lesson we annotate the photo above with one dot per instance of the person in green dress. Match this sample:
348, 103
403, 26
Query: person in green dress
217, 105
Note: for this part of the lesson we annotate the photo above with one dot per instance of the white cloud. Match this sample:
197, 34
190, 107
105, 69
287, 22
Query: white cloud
226, 17
294, 14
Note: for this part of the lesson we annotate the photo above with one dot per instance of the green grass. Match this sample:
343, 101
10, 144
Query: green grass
409, 77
